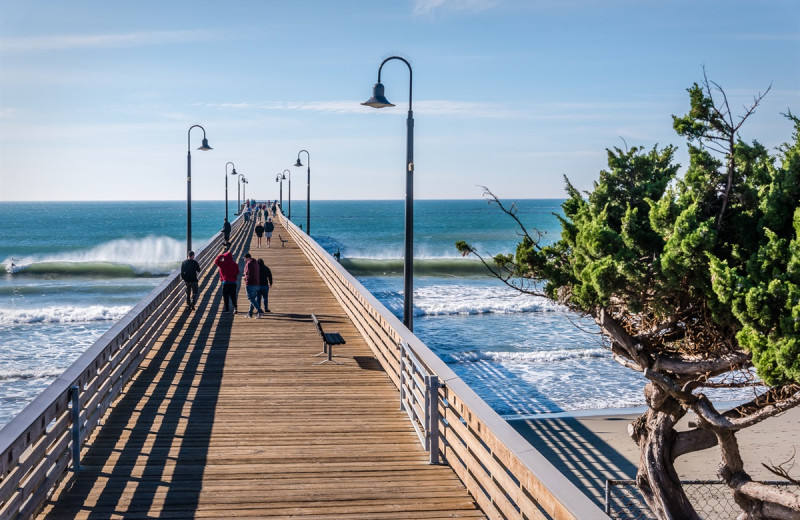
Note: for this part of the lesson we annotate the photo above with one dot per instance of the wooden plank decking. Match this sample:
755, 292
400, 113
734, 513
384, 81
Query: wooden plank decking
228, 417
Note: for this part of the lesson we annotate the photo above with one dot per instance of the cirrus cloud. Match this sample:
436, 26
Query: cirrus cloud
424, 7
100, 41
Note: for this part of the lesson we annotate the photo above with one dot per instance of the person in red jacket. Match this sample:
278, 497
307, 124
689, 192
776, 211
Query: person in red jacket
228, 273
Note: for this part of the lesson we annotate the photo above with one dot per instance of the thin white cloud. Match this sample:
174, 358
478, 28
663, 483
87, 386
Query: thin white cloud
445, 108
778, 37
427, 7
431, 107
100, 41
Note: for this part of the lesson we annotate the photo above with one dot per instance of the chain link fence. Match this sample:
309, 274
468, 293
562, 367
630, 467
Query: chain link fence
712, 499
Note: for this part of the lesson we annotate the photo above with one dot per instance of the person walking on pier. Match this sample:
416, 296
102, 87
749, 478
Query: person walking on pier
259, 233
189, 270
228, 273
265, 279
226, 228
251, 283
269, 227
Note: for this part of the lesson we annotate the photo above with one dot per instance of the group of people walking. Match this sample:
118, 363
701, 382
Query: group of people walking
256, 275
264, 230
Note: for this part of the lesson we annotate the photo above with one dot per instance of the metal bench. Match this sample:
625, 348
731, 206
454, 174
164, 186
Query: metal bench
283, 241
329, 339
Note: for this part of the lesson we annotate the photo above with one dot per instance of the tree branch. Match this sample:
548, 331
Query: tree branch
710, 367
729, 420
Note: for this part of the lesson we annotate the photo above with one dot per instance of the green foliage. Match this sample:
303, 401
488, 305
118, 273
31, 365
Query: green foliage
715, 251
608, 244
763, 287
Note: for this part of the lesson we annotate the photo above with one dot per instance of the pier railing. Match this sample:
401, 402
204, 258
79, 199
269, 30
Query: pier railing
38, 446
506, 476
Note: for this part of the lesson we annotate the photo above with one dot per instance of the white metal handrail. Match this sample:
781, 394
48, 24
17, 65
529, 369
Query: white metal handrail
37, 446
419, 390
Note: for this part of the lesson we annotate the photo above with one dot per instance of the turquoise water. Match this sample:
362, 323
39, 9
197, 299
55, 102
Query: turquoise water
80, 266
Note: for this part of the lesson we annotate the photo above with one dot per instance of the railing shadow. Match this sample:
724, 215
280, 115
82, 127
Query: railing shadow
165, 417
575, 450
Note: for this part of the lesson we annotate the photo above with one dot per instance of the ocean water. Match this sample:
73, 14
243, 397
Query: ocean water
78, 267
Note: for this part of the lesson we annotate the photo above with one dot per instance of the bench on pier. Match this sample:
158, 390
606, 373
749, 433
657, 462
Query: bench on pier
283, 241
329, 339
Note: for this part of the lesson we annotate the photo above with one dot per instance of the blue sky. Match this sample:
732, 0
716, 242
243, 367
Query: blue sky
96, 97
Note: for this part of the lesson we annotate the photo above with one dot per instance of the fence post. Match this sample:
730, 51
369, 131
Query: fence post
433, 418
608, 497
402, 347
76, 429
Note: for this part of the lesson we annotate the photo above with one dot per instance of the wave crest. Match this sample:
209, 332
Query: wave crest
124, 257
526, 357
455, 267
11, 376
462, 299
62, 314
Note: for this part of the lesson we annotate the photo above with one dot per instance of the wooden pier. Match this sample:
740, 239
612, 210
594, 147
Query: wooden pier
198, 414
230, 417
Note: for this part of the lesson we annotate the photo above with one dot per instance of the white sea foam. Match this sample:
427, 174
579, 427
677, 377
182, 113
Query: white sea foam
66, 314
547, 356
150, 254
442, 300
26, 375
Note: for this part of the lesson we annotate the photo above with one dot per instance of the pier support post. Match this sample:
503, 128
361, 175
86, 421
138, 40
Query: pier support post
76, 428
432, 405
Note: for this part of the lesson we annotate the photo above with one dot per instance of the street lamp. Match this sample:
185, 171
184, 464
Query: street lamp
290, 192
244, 188
203, 147
279, 178
239, 193
378, 100
226, 185
308, 189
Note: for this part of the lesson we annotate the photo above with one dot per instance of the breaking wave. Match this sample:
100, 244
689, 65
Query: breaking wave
527, 357
62, 314
148, 256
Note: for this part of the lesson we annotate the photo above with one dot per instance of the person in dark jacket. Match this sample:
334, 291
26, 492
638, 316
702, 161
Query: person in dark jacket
265, 279
259, 233
189, 270
226, 229
228, 273
251, 283
269, 227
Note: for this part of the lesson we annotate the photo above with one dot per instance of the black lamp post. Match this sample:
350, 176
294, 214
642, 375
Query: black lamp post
203, 147
308, 189
239, 193
279, 179
226, 185
244, 188
290, 192
378, 100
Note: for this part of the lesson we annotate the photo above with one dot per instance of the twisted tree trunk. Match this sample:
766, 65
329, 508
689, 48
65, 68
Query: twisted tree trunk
655, 434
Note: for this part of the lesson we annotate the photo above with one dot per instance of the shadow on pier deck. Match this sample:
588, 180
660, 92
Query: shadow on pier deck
229, 417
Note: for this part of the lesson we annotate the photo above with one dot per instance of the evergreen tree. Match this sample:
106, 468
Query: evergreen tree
694, 281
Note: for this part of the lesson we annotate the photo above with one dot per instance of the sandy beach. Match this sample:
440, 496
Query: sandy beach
589, 449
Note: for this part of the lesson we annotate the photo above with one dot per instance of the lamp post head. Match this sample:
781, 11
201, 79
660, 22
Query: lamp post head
234, 171
378, 100
298, 163
205, 146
